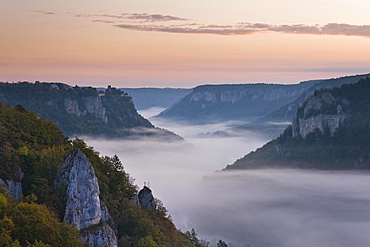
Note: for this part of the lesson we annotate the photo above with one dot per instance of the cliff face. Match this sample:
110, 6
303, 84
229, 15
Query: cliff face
288, 111
84, 208
330, 131
233, 102
91, 104
78, 110
14, 185
146, 198
322, 112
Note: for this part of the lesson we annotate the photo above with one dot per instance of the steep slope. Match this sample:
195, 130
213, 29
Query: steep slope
84, 208
286, 112
329, 131
65, 181
233, 102
82, 111
274, 123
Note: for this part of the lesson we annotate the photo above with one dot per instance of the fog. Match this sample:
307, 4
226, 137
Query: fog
255, 207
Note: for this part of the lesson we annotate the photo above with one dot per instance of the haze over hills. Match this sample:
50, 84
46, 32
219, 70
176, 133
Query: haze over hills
145, 98
243, 102
266, 108
83, 110
330, 131
284, 115
286, 112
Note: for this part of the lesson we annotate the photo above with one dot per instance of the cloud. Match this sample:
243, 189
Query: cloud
188, 30
147, 23
103, 21
46, 12
154, 17
83, 15
255, 28
143, 17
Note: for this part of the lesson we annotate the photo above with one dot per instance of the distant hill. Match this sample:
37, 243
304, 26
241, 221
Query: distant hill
82, 110
273, 123
286, 112
244, 102
330, 131
145, 98
258, 104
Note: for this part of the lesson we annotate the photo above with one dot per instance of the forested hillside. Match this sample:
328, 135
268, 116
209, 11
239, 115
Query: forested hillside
82, 110
330, 131
32, 151
243, 102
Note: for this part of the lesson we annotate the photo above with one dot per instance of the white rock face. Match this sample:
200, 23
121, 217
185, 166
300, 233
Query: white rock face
71, 107
232, 96
84, 209
308, 123
196, 97
99, 236
207, 96
14, 188
92, 104
146, 198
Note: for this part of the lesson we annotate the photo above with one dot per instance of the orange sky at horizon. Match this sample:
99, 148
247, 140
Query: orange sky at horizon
168, 48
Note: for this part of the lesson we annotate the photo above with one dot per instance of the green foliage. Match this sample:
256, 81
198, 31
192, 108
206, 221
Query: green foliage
50, 100
30, 224
194, 240
347, 148
37, 147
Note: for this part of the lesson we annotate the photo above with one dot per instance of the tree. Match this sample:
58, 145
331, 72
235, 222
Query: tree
221, 244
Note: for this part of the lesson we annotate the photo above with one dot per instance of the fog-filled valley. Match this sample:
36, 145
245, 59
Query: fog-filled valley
256, 207
241, 181
185, 123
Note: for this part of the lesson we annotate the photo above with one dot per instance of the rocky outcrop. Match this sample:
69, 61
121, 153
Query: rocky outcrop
322, 112
234, 96
71, 107
146, 198
14, 186
84, 209
91, 104
101, 235
232, 102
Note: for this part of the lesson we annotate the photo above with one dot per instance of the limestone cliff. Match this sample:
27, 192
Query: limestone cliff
78, 110
233, 102
322, 112
331, 131
146, 198
84, 208
90, 104
14, 185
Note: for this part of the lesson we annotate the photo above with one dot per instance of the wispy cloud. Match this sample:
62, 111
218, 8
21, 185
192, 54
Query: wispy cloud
45, 12
83, 15
255, 28
143, 17
103, 21
174, 24
188, 30
154, 17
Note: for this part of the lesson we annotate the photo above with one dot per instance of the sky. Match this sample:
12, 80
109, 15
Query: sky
171, 43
